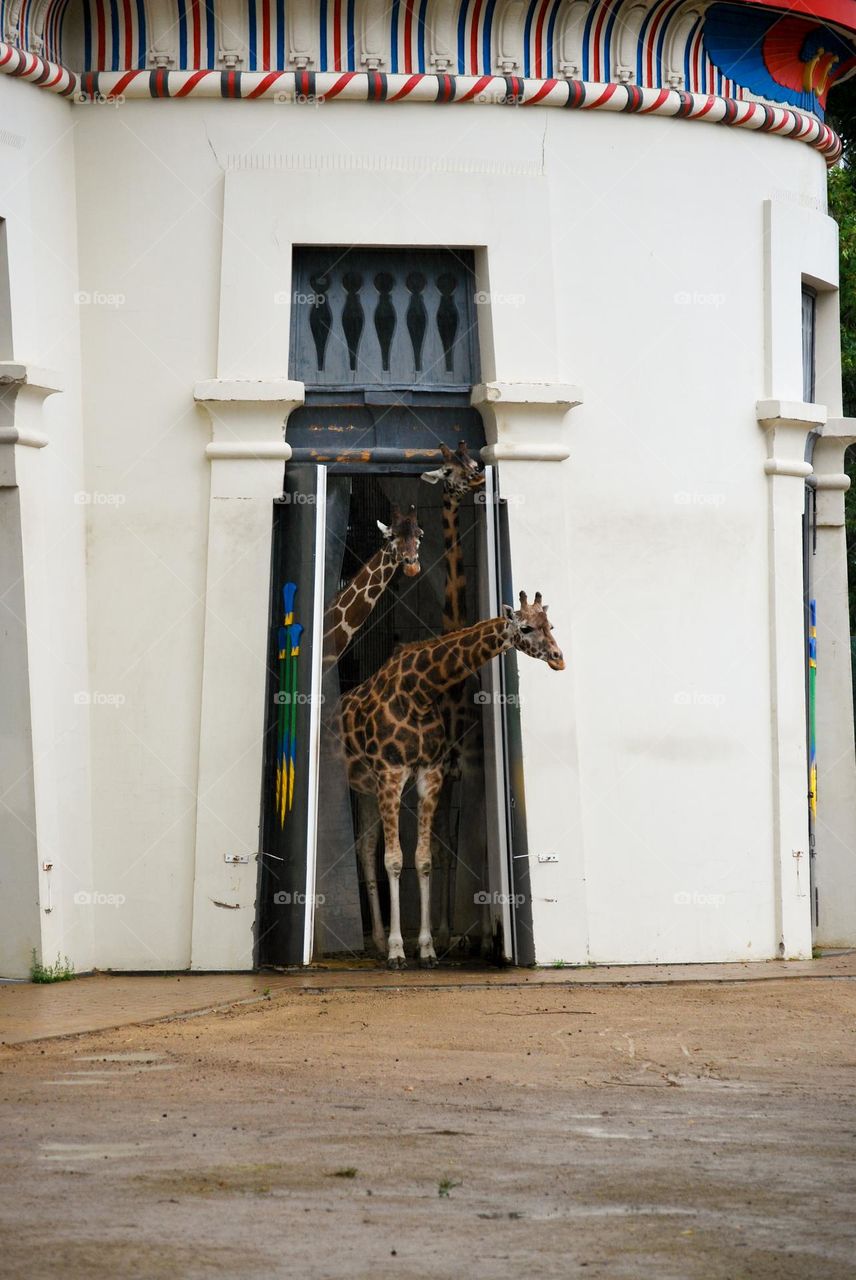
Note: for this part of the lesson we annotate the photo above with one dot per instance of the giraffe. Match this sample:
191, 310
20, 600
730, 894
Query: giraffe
460, 475
350, 608
393, 729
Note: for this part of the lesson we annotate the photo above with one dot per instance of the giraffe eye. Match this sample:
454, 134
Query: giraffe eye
527, 630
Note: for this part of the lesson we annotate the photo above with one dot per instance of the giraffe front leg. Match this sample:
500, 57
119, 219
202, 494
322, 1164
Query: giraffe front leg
429, 783
368, 821
390, 785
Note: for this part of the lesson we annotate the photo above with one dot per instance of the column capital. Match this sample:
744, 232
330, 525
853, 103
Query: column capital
788, 424
831, 478
23, 390
248, 416
524, 421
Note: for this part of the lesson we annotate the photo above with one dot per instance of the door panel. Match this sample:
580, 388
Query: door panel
286, 882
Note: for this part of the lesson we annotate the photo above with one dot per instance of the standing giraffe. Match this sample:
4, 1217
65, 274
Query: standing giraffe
348, 610
393, 729
460, 475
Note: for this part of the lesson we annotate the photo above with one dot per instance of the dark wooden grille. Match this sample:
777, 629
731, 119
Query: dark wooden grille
397, 318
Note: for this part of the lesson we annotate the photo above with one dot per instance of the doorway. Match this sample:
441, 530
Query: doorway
313, 906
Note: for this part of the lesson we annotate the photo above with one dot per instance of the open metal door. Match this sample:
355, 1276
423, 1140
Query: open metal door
501, 895
290, 787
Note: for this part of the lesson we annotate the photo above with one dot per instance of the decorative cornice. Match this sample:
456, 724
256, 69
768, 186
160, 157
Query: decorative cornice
558, 394
298, 87
249, 391
796, 413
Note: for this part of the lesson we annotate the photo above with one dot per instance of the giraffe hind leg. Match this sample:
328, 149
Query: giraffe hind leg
390, 785
429, 783
368, 827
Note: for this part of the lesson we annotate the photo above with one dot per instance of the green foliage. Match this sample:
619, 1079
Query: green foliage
62, 970
842, 207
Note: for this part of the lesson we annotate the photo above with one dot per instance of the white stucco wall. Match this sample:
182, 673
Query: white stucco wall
44, 739
627, 255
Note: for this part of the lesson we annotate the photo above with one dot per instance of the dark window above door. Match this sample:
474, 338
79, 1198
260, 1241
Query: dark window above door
395, 321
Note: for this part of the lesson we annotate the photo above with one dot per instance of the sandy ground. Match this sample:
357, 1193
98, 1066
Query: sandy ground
674, 1131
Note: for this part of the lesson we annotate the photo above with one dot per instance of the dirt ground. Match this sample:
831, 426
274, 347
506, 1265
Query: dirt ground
670, 1131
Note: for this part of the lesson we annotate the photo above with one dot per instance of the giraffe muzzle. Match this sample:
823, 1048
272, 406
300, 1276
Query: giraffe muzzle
411, 568
556, 664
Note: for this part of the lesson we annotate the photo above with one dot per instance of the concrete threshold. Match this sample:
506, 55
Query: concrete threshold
101, 1002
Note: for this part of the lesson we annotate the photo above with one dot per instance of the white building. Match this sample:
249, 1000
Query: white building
655, 371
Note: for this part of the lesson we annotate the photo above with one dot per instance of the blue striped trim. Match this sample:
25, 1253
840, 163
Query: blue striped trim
393, 61
252, 41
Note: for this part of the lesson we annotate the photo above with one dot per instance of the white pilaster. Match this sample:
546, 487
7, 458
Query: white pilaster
25, 817
247, 454
835, 837
526, 423
787, 425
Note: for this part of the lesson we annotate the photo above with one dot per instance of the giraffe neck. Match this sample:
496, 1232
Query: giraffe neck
348, 610
447, 661
455, 597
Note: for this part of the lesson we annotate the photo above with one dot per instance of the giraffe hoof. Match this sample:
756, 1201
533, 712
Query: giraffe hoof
428, 962
396, 962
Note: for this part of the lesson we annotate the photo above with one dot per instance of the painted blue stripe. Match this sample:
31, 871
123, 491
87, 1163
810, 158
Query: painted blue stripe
527, 35
551, 27
253, 36
114, 19
488, 23
393, 62
87, 38
687, 62
209, 23
420, 42
182, 36
462, 32
322, 54
593, 12
280, 35
661, 40
142, 42
352, 66
607, 43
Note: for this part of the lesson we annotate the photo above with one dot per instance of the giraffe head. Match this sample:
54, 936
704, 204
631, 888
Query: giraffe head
531, 631
402, 537
460, 473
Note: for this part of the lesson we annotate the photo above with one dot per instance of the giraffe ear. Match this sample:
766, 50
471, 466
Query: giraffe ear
432, 476
385, 529
509, 613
